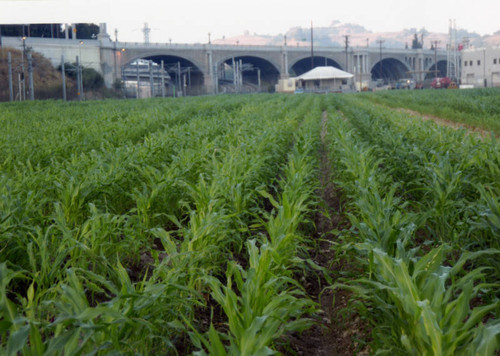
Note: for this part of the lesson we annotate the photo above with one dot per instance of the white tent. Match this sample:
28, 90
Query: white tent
319, 73
325, 79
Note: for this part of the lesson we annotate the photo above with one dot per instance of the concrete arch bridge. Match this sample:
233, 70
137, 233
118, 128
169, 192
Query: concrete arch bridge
208, 69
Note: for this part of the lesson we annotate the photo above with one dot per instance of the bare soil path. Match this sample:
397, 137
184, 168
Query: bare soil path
445, 122
333, 332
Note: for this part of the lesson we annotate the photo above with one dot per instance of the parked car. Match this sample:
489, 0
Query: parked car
441, 83
405, 83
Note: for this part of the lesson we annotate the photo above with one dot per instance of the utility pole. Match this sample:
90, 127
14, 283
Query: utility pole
312, 46
23, 54
234, 72
240, 73
151, 79
11, 92
484, 68
435, 58
80, 69
380, 67
63, 73
30, 76
346, 53
138, 86
258, 77
162, 79
78, 79
179, 88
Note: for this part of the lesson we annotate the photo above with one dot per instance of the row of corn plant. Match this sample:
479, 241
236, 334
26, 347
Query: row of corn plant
476, 107
53, 131
417, 298
445, 172
262, 301
70, 284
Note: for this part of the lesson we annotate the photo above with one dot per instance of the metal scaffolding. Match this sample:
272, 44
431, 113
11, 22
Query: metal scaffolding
452, 55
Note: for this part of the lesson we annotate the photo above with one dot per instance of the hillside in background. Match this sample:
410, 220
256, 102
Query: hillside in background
359, 36
47, 79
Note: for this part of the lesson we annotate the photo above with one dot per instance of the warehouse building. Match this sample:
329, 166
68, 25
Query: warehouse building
481, 67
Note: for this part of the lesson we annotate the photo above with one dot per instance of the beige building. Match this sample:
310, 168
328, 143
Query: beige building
481, 67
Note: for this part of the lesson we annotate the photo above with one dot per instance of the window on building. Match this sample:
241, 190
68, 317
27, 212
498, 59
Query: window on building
470, 63
478, 62
494, 61
465, 64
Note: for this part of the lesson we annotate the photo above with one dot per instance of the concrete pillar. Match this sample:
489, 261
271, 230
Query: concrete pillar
103, 32
73, 31
284, 65
419, 66
209, 77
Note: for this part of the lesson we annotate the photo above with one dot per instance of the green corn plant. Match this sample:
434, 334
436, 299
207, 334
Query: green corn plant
426, 304
487, 216
260, 307
381, 220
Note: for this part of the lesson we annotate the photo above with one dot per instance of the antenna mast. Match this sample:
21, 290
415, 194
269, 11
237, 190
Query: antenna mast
146, 30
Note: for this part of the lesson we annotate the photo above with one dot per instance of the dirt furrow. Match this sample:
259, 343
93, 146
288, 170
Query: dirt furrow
334, 330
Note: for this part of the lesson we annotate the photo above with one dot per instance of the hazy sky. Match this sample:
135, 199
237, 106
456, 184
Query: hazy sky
192, 20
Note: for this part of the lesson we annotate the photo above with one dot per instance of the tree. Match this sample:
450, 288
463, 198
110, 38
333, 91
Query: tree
90, 77
86, 31
416, 44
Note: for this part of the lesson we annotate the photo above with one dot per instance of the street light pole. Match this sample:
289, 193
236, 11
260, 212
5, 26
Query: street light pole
23, 54
80, 68
30, 75
11, 92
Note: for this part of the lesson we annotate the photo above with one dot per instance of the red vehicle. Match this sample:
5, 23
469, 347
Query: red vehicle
441, 83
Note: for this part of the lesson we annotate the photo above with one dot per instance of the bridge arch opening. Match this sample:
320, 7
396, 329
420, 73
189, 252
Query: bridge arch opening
184, 77
437, 71
305, 64
247, 74
390, 70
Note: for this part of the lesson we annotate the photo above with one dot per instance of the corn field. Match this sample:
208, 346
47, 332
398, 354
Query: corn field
187, 226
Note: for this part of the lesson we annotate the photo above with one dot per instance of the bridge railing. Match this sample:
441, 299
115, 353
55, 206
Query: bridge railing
15, 41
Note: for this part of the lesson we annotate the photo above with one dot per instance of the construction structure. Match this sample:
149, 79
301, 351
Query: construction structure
452, 53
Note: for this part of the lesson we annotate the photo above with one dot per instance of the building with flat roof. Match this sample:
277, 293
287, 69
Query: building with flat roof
481, 67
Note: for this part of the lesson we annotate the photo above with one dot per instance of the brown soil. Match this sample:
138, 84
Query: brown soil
334, 331
445, 122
